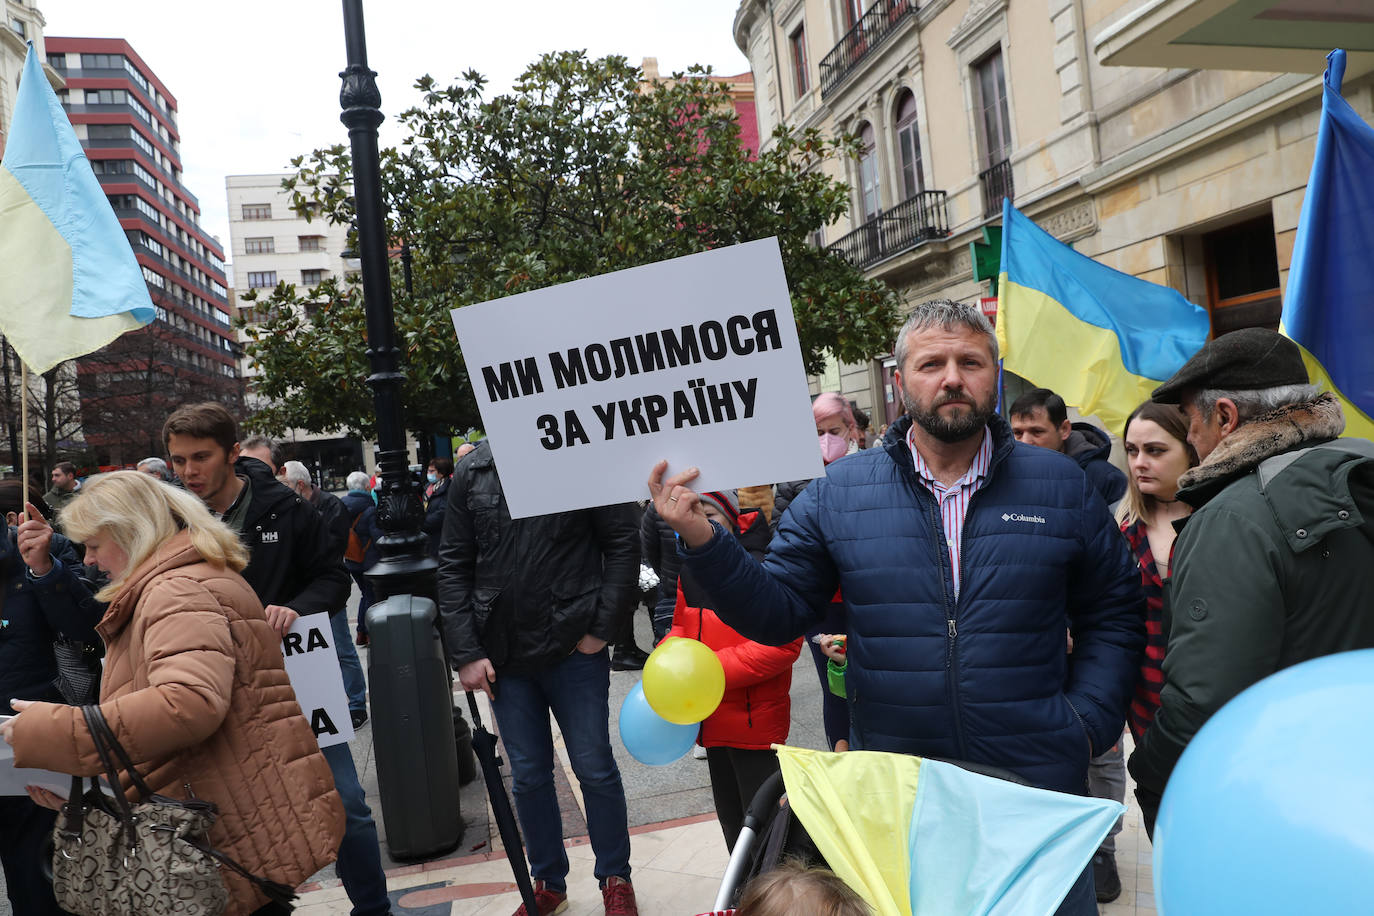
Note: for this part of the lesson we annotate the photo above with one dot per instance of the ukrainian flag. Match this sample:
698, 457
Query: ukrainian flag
1328, 307
69, 283
917, 837
1101, 339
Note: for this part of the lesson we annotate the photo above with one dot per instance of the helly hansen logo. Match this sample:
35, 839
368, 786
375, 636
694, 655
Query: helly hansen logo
1017, 517
270, 537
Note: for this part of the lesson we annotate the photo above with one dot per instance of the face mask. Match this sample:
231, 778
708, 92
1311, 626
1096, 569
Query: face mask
432, 477
832, 447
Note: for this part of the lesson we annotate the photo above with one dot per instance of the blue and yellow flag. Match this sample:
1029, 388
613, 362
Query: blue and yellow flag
69, 283
1102, 339
918, 837
1328, 308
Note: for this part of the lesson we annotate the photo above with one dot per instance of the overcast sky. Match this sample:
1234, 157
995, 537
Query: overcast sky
256, 81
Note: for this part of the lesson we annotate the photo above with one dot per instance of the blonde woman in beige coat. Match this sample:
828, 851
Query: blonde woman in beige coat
194, 686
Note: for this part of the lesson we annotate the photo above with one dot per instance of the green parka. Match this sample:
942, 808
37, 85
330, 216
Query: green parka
1275, 567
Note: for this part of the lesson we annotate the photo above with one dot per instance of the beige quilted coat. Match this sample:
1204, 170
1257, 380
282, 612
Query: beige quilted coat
195, 691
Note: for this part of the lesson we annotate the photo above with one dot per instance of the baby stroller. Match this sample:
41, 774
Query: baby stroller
772, 832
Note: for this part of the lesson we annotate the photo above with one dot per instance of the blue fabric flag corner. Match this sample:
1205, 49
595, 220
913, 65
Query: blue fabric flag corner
1328, 307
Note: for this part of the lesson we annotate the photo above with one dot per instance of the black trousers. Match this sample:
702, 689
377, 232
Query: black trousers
736, 774
25, 829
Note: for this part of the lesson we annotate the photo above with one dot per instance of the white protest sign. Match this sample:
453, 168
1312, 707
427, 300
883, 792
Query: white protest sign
313, 667
584, 386
13, 779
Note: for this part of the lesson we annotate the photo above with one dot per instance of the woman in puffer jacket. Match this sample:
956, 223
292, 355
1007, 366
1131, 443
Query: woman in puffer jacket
756, 710
194, 687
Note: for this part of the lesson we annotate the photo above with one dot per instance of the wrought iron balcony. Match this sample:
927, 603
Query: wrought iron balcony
868, 33
996, 183
915, 220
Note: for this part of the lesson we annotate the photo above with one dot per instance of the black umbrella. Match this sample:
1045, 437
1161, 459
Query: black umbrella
484, 744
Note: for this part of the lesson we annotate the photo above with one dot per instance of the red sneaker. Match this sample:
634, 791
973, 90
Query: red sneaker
619, 897
549, 902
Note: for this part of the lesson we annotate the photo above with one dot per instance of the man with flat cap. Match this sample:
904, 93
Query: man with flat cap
1276, 564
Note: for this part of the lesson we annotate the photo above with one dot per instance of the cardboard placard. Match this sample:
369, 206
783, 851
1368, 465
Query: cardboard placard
585, 385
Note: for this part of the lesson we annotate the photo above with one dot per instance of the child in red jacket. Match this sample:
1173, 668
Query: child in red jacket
757, 708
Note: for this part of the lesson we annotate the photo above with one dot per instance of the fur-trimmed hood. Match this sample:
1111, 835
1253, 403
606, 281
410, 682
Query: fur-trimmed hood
1269, 434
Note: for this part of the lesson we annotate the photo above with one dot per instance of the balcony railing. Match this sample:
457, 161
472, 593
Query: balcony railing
913, 221
996, 183
868, 33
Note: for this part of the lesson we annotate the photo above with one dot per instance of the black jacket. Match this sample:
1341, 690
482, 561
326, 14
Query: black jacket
362, 518
434, 515
292, 559
658, 548
522, 592
335, 516
1091, 448
34, 613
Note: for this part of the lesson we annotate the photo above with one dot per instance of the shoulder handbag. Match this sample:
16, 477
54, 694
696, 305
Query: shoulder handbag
150, 858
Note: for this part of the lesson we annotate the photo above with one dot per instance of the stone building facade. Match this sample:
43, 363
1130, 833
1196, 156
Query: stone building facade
1186, 175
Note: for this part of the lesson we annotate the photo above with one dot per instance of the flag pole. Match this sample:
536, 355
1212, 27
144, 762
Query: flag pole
24, 437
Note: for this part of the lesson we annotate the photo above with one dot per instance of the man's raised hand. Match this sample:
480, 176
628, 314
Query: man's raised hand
679, 506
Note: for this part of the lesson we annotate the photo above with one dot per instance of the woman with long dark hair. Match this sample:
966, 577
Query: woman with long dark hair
1157, 454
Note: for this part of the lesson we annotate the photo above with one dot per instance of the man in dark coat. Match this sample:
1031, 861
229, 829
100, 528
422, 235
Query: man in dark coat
295, 569
959, 555
1040, 417
1273, 567
529, 606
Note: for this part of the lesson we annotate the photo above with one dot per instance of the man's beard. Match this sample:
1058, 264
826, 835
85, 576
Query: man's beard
953, 429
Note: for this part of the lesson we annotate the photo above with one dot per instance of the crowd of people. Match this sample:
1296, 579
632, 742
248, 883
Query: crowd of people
970, 587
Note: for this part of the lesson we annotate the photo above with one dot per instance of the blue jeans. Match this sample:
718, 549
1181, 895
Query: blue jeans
360, 857
354, 683
576, 691
366, 596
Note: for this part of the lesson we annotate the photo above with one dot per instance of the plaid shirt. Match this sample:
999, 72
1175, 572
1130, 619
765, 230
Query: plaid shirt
954, 499
1145, 699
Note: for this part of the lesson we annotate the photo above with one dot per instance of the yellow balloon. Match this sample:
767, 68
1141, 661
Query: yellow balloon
683, 680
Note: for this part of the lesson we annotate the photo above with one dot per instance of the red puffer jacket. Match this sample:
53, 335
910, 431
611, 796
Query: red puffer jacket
756, 710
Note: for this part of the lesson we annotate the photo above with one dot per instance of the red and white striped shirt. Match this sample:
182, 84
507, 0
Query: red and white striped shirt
954, 499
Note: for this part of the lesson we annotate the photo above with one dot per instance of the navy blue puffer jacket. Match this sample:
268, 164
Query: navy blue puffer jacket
985, 678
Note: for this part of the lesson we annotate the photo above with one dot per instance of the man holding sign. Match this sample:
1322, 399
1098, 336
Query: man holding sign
529, 605
295, 569
960, 556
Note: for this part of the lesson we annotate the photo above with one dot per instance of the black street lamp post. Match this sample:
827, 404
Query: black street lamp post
404, 567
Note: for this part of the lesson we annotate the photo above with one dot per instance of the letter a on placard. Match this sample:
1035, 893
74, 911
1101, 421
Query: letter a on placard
321, 724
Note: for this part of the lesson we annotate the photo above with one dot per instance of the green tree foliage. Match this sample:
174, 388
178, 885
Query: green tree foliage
579, 170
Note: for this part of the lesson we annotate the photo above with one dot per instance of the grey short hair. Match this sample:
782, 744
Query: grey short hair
947, 315
157, 464
295, 472
273, 446
1250, 404
357, 481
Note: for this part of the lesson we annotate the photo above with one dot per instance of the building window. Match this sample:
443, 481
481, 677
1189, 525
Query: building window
311, 242
262, 279
909, 147
19, 28
853, 12
154, 279
57, 61
259, 246
801, 79
990, 101
1243, 276
257, 211
312, 277
868, 172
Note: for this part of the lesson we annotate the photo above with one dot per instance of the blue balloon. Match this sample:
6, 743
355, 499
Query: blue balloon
1269, 809
650, 738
